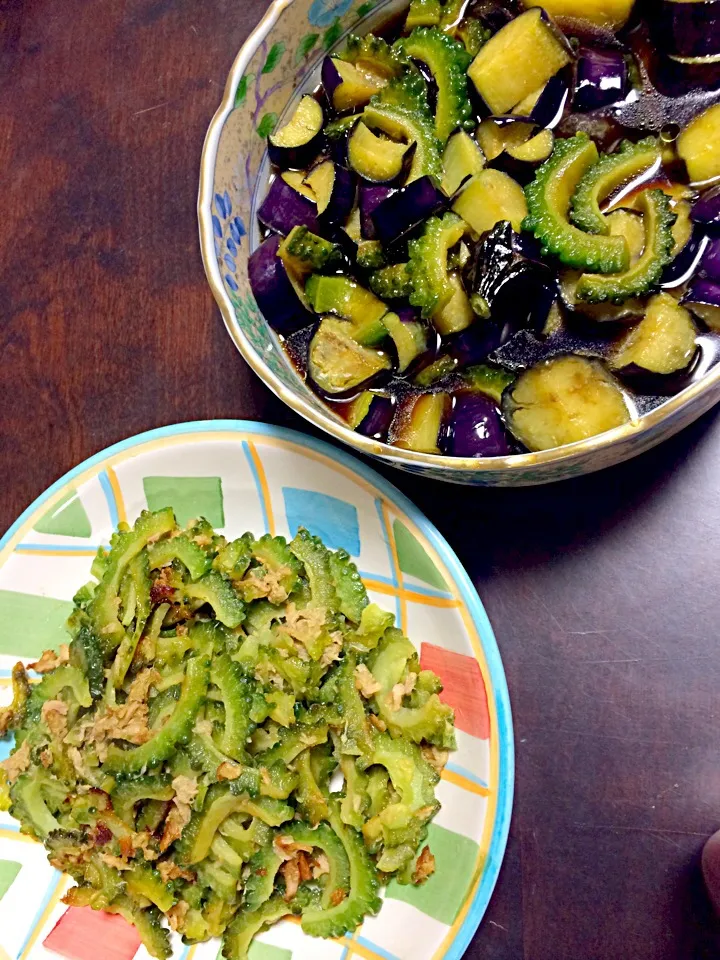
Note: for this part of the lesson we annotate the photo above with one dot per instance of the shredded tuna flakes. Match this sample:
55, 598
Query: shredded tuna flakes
269, 585
303, 626
228, 771
286, 847
321, 866
116, 862
51, 660
204, 727
169, 870
424, 868
142, 841
46, 757
338, 896
291, 874
365, 682
435, 757
177, 913
185, 792
332, 652
377, 722
304, 867
17, 762
126, 722
140, 687
401, 690
54, 713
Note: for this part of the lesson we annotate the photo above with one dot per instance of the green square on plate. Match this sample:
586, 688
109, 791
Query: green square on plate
443, 894
264, 951
9, 869
190, 497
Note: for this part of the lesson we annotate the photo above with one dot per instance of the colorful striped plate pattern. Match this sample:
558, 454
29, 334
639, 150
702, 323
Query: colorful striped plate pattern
240, 476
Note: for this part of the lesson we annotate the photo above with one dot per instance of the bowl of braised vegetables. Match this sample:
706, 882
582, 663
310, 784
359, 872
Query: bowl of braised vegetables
479, 240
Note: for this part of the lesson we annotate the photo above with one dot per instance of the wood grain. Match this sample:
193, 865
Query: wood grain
603, 592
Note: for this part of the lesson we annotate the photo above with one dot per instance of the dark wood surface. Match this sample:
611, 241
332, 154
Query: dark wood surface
603, 592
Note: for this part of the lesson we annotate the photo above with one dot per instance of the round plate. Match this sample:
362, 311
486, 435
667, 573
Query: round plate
240, 476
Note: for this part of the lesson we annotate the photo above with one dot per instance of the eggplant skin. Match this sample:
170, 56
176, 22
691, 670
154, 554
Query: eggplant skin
688, 29
562, 401
476, 429
284, 208
273, 290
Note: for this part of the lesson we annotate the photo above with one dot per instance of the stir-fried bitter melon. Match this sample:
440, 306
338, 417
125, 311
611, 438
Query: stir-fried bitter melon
175, 758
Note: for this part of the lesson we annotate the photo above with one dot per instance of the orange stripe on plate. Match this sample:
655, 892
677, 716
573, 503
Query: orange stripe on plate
387, 588
14, 835
459, 781
262, 480
396, 565
119, 501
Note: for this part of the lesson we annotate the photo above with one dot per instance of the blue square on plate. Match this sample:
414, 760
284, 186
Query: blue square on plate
334, 521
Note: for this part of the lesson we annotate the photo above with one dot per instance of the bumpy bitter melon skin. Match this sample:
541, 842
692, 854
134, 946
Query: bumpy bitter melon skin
262, 871
448, 61
548, 199
181, 548
362, 898
431, 287
374, 53
237, 694
350, 589
392, 282
130, 792
399, 121
409, 91
137, 759
313, 252
610, 172
642, 276
239, 935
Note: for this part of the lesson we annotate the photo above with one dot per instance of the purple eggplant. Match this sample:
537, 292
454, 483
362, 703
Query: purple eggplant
494, 14
709, 266
549, 109
331, 79
515, 290
284, 208
338, 135
400, 213
703, 290
601, 78
703, 298
474, 344
681, 269
378, 418
335, 189
688, 28
707, 210
273, 289
296, 144
476, 429
371, 197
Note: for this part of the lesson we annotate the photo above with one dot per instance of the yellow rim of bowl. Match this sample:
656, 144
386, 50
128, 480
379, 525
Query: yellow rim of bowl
491, 466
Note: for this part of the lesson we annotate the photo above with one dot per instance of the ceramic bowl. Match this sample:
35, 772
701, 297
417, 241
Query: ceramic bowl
249, 476
278, 63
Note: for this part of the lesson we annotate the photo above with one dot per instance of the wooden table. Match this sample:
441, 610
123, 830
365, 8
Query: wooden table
603, 592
